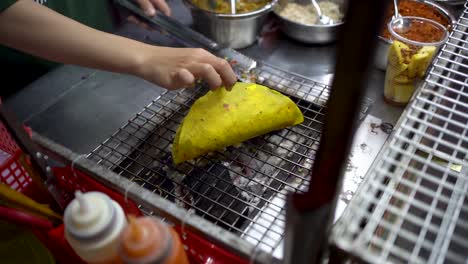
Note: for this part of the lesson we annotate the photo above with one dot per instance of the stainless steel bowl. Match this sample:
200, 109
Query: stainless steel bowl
380, 57
312, 34
234, 31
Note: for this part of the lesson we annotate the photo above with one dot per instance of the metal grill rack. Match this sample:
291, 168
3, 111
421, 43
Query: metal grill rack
412, 206
241, 189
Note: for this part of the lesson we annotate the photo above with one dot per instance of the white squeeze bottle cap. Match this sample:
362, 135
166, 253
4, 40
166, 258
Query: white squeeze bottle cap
93, 223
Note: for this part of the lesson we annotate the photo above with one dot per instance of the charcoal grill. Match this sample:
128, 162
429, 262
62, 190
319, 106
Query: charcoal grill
242, 189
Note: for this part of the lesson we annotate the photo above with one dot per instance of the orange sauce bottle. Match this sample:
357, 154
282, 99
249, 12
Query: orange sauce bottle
148, 240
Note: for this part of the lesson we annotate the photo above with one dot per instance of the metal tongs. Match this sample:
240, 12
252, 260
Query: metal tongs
190, 38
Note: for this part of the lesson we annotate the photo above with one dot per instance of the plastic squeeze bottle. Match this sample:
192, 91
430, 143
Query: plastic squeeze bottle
149, 240
93, 224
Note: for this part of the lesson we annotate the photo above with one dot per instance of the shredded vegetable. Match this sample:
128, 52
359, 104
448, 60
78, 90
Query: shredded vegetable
306, 14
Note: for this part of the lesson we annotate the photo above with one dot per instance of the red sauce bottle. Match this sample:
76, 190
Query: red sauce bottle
149, 240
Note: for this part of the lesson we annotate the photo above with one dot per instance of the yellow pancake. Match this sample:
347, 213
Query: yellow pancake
220, 119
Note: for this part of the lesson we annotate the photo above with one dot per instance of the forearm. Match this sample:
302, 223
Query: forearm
34, 29
37, 30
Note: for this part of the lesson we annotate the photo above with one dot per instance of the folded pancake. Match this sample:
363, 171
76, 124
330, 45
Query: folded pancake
220, 119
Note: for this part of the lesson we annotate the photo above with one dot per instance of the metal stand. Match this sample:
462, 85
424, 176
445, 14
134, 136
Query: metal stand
310, 213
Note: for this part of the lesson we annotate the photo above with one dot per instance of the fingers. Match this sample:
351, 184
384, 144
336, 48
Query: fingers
150, 6
181, 78
162, 6
147, 7
226, 73
221, 66
186, 66
207, 73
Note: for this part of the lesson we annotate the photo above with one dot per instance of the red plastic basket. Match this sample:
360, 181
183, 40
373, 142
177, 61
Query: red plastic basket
12, 172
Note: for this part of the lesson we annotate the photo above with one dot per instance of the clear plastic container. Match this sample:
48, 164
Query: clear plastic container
415, 43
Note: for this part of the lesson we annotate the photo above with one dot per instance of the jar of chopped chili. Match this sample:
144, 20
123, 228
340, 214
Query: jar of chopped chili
414, 8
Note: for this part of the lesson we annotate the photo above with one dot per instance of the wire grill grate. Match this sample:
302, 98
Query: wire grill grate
233, 188
412, 206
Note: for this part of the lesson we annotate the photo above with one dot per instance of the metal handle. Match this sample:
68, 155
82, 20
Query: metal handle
317, 8
233, 7
177, 29
395, 6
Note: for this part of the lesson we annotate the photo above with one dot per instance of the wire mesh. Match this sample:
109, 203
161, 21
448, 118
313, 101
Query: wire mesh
412, 206
233, 188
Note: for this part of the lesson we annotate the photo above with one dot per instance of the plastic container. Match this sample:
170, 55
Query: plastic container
149, 240
12, 171
416, 42
93, 224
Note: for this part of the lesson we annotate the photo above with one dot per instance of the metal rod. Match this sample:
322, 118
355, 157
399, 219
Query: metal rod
233, 6
309, 214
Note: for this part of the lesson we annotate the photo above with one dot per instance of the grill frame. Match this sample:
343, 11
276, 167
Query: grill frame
150, 124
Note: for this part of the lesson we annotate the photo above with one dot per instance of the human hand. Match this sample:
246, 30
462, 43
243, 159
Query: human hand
149, 7
175, 68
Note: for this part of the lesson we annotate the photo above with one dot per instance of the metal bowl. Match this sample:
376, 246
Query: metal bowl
235, 31
312, 34
380, 57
